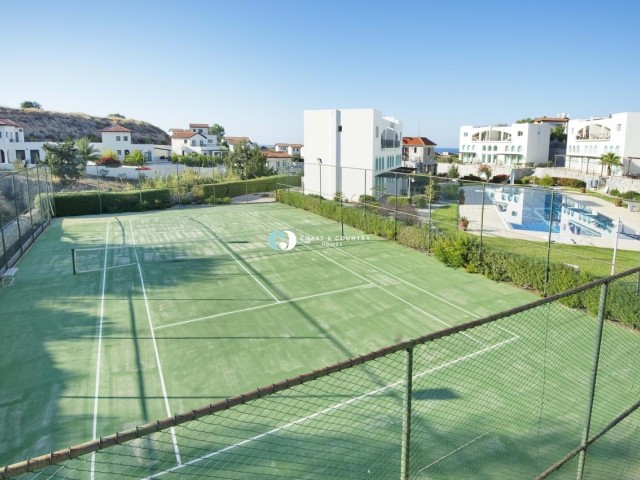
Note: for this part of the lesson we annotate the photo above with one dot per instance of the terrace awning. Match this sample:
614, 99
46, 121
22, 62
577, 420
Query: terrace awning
393, 173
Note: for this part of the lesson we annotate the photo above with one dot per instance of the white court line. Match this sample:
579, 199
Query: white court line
337, 406
155, 348
243, 267
408, 283
456, 450
424, 312
248, 309
99, 354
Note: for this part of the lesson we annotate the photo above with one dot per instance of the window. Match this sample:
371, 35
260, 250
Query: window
193, 143
125, 138
339, 128
119, 152
465, 134
117, 138
519, 133
619, 127
415, 149
209, 141
20, 155
185, 141
377, 131
199, 130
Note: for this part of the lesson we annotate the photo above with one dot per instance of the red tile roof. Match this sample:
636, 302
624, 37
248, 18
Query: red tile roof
417, 141
296, 145
551, 120
198, 125
115, 128
184, 134
236, 140
272, 154
9, 123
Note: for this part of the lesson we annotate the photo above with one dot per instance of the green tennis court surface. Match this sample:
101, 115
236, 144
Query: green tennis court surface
181, 308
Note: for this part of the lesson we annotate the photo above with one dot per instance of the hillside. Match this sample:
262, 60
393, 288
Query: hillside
43, 125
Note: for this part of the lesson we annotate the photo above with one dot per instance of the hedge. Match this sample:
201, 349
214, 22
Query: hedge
94, 202
242, 187
462, 250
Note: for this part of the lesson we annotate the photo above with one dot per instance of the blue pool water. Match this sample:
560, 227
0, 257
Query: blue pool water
537, 219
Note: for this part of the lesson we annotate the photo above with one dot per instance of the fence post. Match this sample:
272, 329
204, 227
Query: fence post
15, 203
33, 231
484, 186
178, 181
548, 265
406, 413
4, 245
395, 212
592, 383
99, 196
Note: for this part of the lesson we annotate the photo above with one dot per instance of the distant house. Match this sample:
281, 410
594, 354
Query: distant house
118, 139
196, 139
512, 145
293, 149
233, 141
13, 147
419, 153
588, 139
279, 161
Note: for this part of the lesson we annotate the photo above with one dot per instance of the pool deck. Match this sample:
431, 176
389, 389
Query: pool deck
494, 225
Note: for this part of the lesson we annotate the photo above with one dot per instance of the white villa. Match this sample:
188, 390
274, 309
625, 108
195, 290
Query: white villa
588, 139
117, 138
196, 139
419, 153
351, 151
281, 162
233, 141
293, 149
14, 148
516, 144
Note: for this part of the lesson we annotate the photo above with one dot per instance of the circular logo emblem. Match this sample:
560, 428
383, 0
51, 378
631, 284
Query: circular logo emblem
282, 240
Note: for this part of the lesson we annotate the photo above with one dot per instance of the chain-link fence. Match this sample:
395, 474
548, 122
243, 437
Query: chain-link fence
25, 210
535, 221
550, 388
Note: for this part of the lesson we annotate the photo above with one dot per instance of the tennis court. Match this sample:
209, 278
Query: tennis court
176, 309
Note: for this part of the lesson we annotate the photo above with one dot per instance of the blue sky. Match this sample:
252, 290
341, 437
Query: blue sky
255, 66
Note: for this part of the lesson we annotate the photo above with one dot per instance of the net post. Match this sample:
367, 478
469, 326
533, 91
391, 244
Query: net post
406, 413
4, 244
73, 260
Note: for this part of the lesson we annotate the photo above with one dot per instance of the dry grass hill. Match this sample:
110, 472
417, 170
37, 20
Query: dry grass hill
43, 125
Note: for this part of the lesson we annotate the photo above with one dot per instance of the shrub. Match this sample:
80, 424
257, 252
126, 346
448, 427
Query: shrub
242, 187
615, 192
546, 181
501, 178
366, 198
136, 158
91, 203
109, 158
631, 195
471, 178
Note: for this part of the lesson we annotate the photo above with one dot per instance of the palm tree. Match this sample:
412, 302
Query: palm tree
610, 159
86, 151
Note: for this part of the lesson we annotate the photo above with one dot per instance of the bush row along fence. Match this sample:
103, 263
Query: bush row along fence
540, 390
536, 221
139, 197
26, 208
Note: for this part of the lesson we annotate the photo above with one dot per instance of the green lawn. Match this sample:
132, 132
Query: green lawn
594, 260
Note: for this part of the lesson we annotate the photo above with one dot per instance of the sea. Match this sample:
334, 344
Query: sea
452, 150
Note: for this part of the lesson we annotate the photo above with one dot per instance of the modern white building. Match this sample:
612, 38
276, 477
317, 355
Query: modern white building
419, 153
13, 147
351, 152
516, 144
589, 139
196, 139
